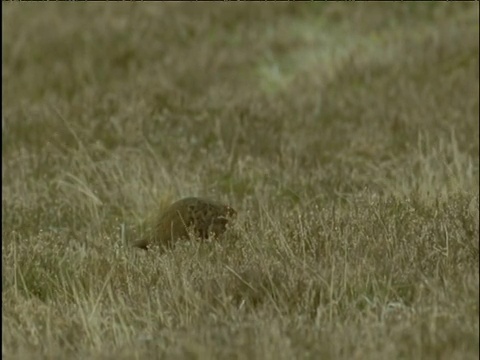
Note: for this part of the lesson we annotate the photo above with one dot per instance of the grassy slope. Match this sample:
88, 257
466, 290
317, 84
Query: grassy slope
346, 135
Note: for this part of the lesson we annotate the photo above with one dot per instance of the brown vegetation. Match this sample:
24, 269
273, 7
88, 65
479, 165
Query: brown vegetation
346, 135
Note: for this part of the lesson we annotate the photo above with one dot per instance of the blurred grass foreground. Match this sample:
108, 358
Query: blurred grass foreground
345, 135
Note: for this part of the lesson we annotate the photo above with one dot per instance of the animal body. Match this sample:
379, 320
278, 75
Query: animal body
204, 218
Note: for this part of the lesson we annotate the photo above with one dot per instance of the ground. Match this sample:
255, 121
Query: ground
346, 136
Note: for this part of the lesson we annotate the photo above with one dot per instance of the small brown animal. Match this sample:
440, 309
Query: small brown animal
204, 217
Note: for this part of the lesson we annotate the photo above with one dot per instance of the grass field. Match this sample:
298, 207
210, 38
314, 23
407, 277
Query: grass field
345, 135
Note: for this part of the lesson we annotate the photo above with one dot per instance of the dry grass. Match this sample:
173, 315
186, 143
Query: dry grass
346, 136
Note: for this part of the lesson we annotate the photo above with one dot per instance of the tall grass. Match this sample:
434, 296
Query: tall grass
345, 135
